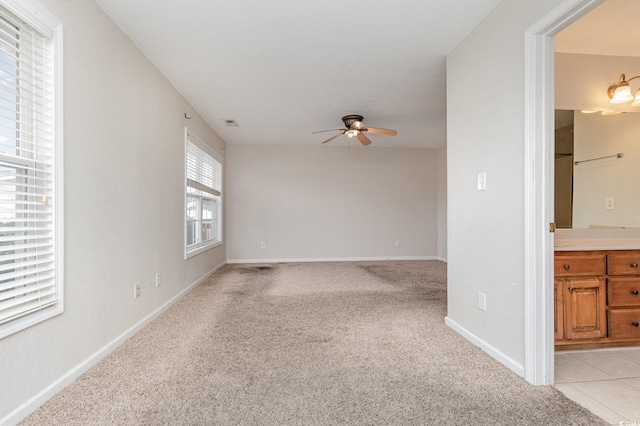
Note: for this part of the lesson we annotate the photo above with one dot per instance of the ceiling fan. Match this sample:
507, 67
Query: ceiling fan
357, 128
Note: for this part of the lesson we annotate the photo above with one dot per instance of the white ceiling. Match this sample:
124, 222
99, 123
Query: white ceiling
285, 68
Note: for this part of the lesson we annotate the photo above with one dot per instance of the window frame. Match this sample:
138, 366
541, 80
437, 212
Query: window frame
43, 22
201, 246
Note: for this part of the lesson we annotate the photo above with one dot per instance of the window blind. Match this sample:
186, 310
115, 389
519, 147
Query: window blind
204, 173
27, 237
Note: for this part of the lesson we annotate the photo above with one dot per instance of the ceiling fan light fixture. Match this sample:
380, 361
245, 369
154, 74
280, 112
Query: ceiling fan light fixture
356, 127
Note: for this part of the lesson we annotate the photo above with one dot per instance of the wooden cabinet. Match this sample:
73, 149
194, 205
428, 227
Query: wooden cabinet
558, 310
580, 265
624, 323
585, 308
597, 299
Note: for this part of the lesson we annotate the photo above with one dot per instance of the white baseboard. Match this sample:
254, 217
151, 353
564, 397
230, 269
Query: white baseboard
508, 362
332, 259
47, 393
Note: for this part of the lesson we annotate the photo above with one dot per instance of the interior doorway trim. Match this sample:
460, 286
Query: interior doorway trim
538, 176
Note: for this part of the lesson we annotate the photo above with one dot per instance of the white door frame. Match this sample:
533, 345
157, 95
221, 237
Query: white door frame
539, 192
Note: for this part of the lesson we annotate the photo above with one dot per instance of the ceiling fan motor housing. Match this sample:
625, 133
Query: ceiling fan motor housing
348, 120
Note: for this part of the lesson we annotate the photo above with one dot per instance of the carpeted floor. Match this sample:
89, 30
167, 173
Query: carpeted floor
307, 343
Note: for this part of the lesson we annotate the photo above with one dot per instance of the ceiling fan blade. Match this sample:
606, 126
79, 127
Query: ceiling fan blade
363, 139
330, 130
332, 138
381, 131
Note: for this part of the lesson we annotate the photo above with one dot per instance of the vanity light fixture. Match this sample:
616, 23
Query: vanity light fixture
621, 93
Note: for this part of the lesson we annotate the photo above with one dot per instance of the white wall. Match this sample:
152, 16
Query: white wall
327, 202
593, 182
485, 114
124, 218
442, 203
582, 80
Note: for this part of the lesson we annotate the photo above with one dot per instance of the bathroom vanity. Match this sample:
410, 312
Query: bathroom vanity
597, 290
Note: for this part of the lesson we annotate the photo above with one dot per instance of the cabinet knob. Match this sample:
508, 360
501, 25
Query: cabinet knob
566, 266
635, 324
634, 292
571, 288
634, 265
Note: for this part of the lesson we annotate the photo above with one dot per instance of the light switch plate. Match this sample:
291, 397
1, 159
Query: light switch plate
482, 181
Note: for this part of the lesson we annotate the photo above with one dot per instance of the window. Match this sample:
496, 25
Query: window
30, 160
203, 228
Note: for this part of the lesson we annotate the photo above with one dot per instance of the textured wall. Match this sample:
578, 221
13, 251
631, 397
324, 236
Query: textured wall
325, 202
124, 196
485, 128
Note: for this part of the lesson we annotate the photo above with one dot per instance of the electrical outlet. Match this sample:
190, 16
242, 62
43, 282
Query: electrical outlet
397, 243
482, 301
158, 279
263, 245
136, 290
608, 203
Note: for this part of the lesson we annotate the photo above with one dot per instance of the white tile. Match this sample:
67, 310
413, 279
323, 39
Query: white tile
591, 404
570, 369
613, 363
616, 395
633, 382
633, 355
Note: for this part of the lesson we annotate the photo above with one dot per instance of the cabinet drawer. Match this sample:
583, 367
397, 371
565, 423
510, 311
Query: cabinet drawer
594, 264
624, 291
623, 264
624, 323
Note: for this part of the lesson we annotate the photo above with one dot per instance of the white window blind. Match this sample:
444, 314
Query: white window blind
203, 197
204, 173
28, 282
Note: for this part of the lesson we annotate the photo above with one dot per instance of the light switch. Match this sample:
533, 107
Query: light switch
482, 181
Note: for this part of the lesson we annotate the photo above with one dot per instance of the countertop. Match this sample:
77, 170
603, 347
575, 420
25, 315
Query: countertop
597, 239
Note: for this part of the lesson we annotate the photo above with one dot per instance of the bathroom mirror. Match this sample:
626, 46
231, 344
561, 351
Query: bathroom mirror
601, 191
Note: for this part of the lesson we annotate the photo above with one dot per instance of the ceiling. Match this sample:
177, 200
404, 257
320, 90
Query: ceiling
284, 68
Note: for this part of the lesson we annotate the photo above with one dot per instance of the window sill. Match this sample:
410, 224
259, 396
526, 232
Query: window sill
201, 249
30, 320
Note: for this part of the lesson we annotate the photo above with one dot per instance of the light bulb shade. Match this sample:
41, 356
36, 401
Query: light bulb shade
636, 101
622, 94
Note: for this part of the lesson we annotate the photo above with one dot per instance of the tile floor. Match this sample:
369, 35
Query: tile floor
605, 381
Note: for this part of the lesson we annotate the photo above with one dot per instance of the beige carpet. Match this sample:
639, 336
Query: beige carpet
307, 343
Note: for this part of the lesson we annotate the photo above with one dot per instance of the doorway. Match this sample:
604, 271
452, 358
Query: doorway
539, 186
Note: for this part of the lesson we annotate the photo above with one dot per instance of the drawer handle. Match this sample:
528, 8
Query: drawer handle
566, 266
634, 265
635, 292
635, 324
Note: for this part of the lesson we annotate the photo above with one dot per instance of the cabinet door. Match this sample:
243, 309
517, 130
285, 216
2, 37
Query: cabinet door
558, 310
585, 308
